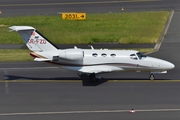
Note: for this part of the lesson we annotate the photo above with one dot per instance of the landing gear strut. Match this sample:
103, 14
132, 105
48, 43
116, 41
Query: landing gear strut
92, 77
151, 77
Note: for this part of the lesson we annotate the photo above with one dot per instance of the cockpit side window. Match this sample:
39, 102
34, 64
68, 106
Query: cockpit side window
141, 55
133, 56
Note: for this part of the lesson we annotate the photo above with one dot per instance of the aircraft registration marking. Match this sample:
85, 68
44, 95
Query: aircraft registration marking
37, 41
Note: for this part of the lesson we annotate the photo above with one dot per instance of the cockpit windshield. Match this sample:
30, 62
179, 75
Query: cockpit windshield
141, 55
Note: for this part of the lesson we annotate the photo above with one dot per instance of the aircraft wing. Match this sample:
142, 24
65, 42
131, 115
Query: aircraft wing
41, 59
99, 69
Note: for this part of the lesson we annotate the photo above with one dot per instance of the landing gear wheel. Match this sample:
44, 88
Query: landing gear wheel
79, 74
151, 77
93, 77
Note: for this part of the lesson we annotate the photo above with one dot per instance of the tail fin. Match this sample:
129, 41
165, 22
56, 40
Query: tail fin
33, 39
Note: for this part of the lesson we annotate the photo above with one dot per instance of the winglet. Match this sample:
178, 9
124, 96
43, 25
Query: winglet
19, 28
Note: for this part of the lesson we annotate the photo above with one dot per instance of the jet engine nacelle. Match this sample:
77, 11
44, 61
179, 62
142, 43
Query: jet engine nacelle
72, 54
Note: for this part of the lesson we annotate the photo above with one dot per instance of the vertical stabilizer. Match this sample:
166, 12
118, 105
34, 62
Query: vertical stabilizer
33, 39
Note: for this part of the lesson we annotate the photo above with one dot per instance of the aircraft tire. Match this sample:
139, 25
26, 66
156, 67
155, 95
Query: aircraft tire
151, 77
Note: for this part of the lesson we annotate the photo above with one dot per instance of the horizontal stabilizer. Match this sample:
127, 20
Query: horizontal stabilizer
19, 28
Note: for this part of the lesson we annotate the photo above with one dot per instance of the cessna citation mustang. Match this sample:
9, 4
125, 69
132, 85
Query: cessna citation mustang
90, 61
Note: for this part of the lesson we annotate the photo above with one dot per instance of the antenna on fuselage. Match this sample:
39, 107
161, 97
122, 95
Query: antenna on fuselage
91, 47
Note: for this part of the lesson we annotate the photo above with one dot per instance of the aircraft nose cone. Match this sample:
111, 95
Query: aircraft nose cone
167, 65
171, 66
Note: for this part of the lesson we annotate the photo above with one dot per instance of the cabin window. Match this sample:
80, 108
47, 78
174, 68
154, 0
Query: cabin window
95, 54
104, 55
113, 55
133, 56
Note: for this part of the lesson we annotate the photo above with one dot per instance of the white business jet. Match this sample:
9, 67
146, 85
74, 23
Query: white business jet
90, 61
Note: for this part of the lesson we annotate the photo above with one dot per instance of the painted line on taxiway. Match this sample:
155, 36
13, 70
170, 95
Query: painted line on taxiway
86, 112
78, 81
29, 68
71, 3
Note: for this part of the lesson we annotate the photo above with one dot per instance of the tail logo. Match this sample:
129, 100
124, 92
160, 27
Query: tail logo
33, 34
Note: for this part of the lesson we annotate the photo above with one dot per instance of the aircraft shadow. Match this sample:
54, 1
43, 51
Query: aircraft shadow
85, 79
87, 82
13, 77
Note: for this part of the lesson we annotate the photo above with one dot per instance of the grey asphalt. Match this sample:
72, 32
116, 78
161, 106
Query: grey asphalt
170, 48
37, 98
34, 7
33, 98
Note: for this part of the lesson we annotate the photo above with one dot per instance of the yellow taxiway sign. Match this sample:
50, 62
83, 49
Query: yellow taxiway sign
73, 16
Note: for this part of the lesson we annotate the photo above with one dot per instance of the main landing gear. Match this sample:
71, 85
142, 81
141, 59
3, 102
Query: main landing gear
151, 77
92, 77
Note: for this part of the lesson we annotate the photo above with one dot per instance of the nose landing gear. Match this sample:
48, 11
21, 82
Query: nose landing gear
151, 77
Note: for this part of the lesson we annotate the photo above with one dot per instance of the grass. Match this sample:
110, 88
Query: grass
143, 50
20, 55
15, 55
124, 28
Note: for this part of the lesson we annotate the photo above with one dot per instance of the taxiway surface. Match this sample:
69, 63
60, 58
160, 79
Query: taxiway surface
110, 101
53, 7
